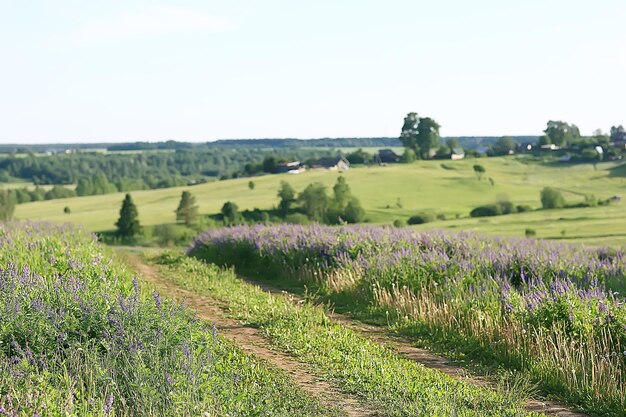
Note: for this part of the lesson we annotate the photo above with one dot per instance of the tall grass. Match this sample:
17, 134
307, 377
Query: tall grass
78, 337
550, 310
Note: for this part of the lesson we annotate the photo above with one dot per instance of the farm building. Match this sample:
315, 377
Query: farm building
294, 167
338, 163
457, 153
387, 156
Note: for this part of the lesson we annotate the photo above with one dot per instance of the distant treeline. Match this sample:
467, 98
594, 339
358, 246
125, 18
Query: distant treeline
469, 142
305, 143
98, 173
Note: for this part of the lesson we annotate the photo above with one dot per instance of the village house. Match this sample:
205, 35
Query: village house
387, 156
294, 167
338, 163
457, 153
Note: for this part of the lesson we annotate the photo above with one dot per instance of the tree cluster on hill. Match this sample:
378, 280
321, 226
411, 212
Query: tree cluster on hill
313, 204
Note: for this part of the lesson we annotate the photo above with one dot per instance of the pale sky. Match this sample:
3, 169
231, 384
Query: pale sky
197, 70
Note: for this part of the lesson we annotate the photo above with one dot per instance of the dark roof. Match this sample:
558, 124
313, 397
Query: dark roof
386, 152
328, 162
387, 156
289, 164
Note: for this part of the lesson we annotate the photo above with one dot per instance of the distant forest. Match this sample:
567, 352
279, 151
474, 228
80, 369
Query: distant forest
469, 142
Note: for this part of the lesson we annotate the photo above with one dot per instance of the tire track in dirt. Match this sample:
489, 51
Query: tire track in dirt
250, 340
403, 347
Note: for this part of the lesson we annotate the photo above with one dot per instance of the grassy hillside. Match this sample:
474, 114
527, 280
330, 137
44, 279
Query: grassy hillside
448, 187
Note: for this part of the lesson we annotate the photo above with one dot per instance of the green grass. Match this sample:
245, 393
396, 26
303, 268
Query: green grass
400, 387
422, 186
78, 337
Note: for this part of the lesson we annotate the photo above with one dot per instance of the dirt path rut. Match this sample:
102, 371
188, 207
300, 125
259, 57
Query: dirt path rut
249, 339
423, 356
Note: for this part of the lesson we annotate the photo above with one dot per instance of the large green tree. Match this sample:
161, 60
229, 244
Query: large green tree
128, 224
561, 133
342, 194
427, 136
315, 202
617, 132
230, 213
84, 186
187, 210
551, 198
504, 145
287, 196
408, 134
420, 134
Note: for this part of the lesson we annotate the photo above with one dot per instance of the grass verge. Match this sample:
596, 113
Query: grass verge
359, 366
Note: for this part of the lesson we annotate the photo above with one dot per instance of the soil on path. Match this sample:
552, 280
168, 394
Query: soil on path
249, 339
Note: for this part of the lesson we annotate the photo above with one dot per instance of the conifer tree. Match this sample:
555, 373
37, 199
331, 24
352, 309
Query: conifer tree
187, 210
128, 223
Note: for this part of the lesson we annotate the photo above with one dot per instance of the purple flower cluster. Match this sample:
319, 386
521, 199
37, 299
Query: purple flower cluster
66, 315
510, 275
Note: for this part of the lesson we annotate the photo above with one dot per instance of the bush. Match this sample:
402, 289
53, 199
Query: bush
354, 213
67, 210
424, 217
530, 232
551, 198
399, 223
524, 208
506, 207
485, 211
230, 213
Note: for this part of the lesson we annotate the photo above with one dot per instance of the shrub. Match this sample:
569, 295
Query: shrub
551, 198
524, 208
399, 223
67, 210
485, 211
354, 213
506, 207
423, 217
530, 232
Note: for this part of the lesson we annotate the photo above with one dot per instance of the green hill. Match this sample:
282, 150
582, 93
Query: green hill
396, 192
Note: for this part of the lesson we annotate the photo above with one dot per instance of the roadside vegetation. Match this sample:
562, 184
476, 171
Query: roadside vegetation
550, 311
78, 337
396, 386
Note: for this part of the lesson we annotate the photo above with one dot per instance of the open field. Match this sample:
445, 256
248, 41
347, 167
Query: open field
448, 187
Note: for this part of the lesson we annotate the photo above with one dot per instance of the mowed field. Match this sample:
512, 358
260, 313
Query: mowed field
396, 192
